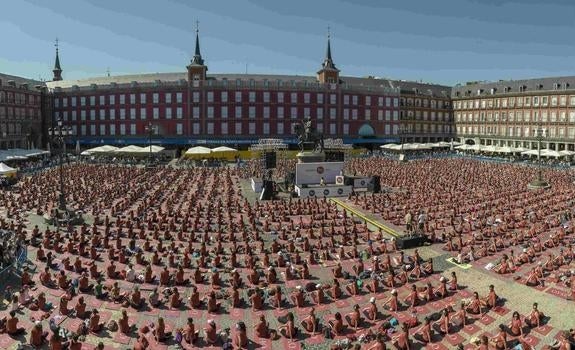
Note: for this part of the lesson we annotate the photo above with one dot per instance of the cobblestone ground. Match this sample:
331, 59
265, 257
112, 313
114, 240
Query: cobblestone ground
517, 298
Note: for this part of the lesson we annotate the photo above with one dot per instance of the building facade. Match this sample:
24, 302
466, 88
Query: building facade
196, 107
21, 120
508, 113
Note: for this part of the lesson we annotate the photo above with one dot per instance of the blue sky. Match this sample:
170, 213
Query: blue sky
440, 41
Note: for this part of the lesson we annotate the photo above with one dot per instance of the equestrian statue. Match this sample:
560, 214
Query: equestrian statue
308, 137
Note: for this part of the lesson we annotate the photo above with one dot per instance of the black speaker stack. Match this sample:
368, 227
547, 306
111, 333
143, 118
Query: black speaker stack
407, 242
334, 156
270, 160
374, 184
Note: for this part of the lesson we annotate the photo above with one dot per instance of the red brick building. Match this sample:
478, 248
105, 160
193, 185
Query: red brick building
196, 107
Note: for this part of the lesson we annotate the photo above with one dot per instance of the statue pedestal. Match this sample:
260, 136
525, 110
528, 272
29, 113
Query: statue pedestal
310, 157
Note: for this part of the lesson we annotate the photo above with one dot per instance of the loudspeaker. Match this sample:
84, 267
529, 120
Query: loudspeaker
339, 180
267, 190
334, 156
348, 181
270, 160
410, 242
374, 185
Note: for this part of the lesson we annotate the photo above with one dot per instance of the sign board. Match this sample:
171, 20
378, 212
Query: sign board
323, 191
311, 173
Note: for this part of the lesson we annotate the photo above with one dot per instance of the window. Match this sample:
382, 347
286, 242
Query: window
345, 114
306, 113
346, 129
179, 97
293, 112
280, 112
388, 101
544, 101
396, 102
142, 98
266, 112
210, 112
238, 129
345, 99
319, 113
132, 129
354, 114
122, 102
83, 130
224, 128
238, 112
319, 127
380, 101
156, 112
280, 97
224, 112
238, 96
73, 101
252, 128
156, 98
280, 128
102, 114
210, 96
332, 99
179, 112
354, 99
168, 112
196, 112
168, 97
387, 129
293, 97
74, 115
210, 128
132, 98
224, 96
563, 100
92, 130
252, 96
122, 129
332, 128
536, 100
572, 100
142, 113
196, 96
123, 113
112, 129
266, 128
368, 114
92, 114
266, 97
252, 112
179, 129
92, 100
572, 116
102, 129
319, 98
396, 115
332, 113
112, 99
306, 97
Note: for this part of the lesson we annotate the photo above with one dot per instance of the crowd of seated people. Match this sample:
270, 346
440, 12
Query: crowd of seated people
193, 242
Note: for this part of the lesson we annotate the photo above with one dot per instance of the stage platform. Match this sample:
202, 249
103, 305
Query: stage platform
330, 190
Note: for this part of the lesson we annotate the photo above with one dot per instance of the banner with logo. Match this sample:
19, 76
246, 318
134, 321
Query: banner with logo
311, 173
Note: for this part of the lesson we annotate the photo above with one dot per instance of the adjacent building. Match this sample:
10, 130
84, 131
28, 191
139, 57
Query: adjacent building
194, 107
21, 119
508, 113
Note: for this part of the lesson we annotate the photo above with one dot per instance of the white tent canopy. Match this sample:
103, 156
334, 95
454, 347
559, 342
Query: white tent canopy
100, 149
198, 150
130, 149
224, 149
567, 153
155, 149
5, 169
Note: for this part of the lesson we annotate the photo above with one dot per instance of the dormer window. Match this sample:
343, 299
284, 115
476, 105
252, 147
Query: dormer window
479, 92
493, 91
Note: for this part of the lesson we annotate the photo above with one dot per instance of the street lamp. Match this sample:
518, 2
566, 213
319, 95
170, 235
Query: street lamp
539, 182
58, 136
150, 129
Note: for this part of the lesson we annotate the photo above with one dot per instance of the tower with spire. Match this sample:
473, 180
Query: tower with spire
328, 72
57, 69
197, 69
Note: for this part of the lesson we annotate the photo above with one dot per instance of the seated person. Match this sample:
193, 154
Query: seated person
124, 325
336, 325
534, 318
190, 332
12, 325
159, 331
95, 326
37, 335
289, 330
211, 332
310, 323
